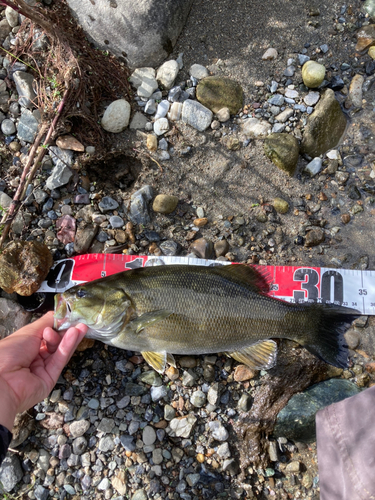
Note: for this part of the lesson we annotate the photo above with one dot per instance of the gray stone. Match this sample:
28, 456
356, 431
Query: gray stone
5, 29
127, 442
162, 109
150, 107
79, 445
302, 58
284, 115
60, 176
158, 393
61, 156
116, 117
10, 473
324, 127
106, 425
108, 204
106, 443
8, 127
138, 122
41, 493
139, 495
104, 484
311, 98
223, 450
24, 85
27, 126
78, 428
277, 100
314, 167
167, 73
144, 32
147, 87
198, 399
139, 211
181, 427
218, 431
148, 435
116, 221
198, 71
170, 248
84, 237
11, 16
196, 115
297, 420
169, 412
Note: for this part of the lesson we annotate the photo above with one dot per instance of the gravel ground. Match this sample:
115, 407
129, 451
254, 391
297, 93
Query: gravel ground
113, 428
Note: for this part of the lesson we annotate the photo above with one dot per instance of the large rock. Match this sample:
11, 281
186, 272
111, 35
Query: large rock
141, 31
325, 126
297, 420
23, 266
282, 150
10, 474
217, 92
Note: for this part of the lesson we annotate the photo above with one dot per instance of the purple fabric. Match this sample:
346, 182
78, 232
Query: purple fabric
345, 434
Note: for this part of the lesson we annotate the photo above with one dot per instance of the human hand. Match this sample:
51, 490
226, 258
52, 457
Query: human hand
31, 360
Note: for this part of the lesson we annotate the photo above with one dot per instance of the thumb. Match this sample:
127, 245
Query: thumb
65, 350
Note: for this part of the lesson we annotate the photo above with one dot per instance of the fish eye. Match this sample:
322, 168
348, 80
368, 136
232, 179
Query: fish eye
81, 293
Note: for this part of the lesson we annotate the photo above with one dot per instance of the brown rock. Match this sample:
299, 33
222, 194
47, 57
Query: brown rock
23, 266
221, 248
85, 344
202, 248
365, 37
243, 372
314, 237
67, 229
345, 218
52, 421
165, 203
200, 222
152, 142
69, 142
84, 238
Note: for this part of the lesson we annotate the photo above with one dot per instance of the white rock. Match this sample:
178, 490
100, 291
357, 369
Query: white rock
270, 54
11, 16
140, 73
252, 127
333, 154
116, 117
147, 87
284, 115
223, 115
198, 71
196, 115
355, 90
162, 109
167, 74
161, 126
291, 93
175, 111
314, 167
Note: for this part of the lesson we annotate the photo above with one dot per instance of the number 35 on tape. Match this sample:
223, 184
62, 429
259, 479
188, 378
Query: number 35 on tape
344, 287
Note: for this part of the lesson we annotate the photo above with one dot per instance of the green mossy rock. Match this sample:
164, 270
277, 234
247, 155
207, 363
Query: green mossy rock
217, 92
324, 127
313, 74
281, 206
282, 149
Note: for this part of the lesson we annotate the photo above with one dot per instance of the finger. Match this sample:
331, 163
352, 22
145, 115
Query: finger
65, 350
52, 339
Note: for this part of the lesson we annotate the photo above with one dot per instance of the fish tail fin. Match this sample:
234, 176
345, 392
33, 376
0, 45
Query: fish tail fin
326, 339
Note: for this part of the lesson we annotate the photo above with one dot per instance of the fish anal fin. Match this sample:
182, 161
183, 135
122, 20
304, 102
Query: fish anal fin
147, 319
258, 356
157, 360
247, 275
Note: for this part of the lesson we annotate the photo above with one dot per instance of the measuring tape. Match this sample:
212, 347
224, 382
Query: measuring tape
344, 287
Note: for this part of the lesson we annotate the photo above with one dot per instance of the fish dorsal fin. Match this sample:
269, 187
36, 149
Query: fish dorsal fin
258, 356
157, 360
247, 275
148, 319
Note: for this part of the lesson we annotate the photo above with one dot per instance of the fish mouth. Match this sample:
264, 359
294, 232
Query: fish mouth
63, 313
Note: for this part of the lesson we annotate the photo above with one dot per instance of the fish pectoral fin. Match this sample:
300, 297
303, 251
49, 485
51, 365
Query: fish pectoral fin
157, 360
258, 356
148, 319
170, 360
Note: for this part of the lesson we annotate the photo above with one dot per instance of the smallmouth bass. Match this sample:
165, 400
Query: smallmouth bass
183, 309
